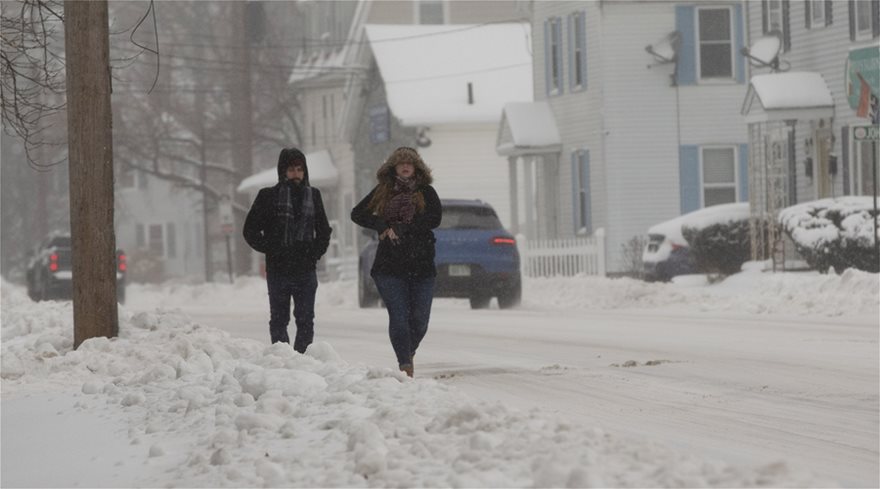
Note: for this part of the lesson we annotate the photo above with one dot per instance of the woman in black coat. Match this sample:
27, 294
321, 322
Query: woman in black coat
403, 209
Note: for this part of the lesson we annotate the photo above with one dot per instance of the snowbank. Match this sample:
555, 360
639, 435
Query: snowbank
205, 409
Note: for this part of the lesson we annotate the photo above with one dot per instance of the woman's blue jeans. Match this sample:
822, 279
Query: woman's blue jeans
409, 308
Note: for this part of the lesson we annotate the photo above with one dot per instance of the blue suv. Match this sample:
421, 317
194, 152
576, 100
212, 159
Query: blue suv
476, 258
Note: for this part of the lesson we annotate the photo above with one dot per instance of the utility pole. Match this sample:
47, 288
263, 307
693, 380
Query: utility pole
243, 108
90, 155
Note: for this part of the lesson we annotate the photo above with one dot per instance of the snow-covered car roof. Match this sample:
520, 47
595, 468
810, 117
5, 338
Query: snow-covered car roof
700, 219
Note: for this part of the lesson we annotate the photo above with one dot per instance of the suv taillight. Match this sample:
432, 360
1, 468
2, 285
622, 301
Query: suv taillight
122, 263
53, 262
503, 241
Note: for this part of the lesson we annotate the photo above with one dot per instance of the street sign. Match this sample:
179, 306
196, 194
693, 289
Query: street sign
866, 133
227, 222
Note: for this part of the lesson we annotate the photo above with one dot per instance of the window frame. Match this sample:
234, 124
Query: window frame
867, 34
736, 175
556, 76
417, 11
160, 240
817, 22
582, 206
731, 40
577, 50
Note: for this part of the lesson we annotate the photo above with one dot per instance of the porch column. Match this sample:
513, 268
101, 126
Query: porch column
530, 197
514, 198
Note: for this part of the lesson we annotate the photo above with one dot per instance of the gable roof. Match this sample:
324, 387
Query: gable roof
792, 95
527, 128
427, 68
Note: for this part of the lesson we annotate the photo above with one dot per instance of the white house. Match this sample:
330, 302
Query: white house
811, 109
645, 96
449, 85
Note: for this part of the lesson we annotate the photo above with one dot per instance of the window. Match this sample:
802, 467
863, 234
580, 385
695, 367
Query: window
775, 18
171, 240
864, 28
157, 244
553, 63
866, 154
430, 12
139, 239
580, 173
715, 43
816, 13
577, 46
125, 177
719, 175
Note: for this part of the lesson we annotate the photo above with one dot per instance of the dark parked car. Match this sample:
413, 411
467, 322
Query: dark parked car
50, 273
476, 258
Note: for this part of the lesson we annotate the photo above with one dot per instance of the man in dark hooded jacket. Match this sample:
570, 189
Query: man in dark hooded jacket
288, 223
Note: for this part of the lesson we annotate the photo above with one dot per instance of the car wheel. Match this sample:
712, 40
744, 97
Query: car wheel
480, 302
510, 297
365, 297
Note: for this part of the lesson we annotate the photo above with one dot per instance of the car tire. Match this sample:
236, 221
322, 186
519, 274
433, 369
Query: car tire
510, 297
366, 298
480, 302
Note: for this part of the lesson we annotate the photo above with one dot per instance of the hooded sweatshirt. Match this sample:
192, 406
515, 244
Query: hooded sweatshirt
281, 224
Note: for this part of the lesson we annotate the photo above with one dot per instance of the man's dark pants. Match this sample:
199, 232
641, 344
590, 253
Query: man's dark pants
302, 288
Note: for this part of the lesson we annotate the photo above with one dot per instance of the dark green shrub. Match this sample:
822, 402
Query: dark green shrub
720, 248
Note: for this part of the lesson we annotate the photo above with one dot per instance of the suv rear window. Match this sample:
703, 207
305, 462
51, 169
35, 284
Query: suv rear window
469, 217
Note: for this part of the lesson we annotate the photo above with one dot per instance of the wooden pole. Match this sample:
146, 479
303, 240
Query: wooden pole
90, 155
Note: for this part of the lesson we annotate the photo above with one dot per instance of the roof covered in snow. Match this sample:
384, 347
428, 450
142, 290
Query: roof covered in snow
427, 69
322, 173
527, 127
787, 96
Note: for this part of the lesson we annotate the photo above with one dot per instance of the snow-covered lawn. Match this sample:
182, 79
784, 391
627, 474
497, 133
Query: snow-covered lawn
173, 402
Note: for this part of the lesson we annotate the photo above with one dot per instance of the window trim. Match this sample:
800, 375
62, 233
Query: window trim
574, 46
699, 44
559, 87
584, 220
417, 12
736, 175
867, 34
817, 22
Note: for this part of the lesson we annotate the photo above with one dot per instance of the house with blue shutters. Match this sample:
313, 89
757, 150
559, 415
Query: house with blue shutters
641, 108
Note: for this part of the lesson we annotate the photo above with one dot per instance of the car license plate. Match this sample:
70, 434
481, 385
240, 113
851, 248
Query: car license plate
459, 270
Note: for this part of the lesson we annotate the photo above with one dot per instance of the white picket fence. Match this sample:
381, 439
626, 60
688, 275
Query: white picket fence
565, 257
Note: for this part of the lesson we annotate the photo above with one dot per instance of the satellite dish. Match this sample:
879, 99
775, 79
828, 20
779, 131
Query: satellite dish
665, 50
765, 51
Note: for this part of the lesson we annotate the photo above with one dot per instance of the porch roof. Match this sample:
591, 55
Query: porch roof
322, 173
527, 128
783, 96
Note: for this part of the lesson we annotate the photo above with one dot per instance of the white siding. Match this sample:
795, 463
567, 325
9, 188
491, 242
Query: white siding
824, 50
465, 165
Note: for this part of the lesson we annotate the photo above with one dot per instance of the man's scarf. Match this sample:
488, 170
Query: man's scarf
295, 212
401, 209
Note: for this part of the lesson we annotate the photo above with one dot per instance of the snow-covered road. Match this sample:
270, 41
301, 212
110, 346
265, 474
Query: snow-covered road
741, 387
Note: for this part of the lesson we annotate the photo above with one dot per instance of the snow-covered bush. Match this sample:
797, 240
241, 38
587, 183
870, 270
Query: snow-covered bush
833, 233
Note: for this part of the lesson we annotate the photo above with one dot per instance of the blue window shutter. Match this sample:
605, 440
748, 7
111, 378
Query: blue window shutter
739, 44
686, 69
571, 20
575, 212
743, 182
547, 64
561, 74
582, 18
689, 177
585, 184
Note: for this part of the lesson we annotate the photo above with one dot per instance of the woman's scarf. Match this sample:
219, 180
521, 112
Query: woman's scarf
401, 209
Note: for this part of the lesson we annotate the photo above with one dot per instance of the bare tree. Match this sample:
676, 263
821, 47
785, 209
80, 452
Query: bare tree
32, 73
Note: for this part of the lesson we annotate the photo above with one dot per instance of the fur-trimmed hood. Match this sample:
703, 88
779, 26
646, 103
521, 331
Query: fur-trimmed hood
387, 173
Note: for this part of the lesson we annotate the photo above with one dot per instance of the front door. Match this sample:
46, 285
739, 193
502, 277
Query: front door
823, 168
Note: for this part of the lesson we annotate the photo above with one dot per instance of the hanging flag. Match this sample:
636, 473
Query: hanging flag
864, 97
